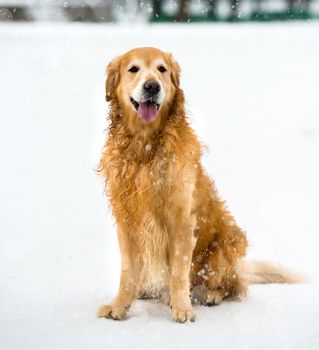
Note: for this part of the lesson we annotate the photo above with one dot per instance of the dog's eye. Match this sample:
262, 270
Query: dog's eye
133, 69
162, 69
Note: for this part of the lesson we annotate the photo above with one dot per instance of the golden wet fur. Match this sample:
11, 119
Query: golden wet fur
177, 238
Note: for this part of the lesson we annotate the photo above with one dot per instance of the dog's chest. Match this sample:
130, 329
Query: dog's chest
152, 178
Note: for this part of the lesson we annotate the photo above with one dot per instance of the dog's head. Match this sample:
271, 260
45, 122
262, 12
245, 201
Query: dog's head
144, 82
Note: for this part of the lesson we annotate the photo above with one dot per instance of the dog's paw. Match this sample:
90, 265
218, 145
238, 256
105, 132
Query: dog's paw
204, 296
182, 315
213, 297
113, 312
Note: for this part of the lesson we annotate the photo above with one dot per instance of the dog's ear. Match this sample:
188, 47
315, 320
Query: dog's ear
112, 78
175, 70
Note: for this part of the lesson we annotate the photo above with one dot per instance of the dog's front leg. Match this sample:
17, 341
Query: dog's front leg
127, 290
181, 245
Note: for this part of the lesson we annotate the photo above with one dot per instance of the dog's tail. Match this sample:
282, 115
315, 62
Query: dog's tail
257, 272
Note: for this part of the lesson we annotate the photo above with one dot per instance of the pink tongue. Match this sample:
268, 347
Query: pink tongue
147, 111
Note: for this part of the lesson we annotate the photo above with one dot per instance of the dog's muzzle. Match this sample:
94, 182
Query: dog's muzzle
148, 106
147, 110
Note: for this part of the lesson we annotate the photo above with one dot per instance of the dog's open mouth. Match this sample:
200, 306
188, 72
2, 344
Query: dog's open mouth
146, 110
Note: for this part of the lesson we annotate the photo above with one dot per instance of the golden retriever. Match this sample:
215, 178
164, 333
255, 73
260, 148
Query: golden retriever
177, 239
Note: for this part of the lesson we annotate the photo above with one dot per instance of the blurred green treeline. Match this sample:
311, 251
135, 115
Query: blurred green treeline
158, 10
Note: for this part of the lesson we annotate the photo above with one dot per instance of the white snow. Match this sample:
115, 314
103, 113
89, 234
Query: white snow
253, 95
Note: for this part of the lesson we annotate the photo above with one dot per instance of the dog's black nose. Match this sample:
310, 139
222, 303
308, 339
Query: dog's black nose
152, 87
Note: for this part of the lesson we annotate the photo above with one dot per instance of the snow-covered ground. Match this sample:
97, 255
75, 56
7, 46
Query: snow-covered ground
252, 93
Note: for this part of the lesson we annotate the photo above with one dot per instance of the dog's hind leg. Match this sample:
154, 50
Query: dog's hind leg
224, 278
217, 274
